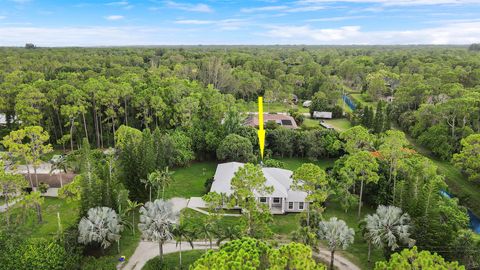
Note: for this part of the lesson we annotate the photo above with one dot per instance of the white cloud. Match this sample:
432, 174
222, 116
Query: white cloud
454, 33
189, 7
336, 19
114, 17
118, 3
264, 8
227, 24
293, 8
396, 2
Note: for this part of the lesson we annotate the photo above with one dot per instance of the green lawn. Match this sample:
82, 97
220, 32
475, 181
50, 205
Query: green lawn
49, 227
360, 98
189, 181
294, 163
357, 252
311, 123
339, 124
171, 260
274, 107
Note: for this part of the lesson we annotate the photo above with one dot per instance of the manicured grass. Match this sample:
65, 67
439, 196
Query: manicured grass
274, 107
360, 98
294, 163
357, 252
49, 227
171, 260
128, 244
311, 123
340, 124
285, 224
189, 181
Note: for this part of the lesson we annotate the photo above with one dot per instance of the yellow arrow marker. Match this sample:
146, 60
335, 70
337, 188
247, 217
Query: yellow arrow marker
261, 131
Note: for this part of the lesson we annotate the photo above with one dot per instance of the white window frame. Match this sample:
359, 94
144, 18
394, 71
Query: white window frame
301, 205
276, 198
263, 198
290, 205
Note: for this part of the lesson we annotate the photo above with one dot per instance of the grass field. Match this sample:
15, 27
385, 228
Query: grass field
294, 163
274, 107
339, 124
49, 227
359, 98
171, 261
189, 181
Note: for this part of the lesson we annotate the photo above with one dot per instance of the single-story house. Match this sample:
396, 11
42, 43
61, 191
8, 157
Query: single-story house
326, 126
283, 199
307, 103
281, 119
323, 115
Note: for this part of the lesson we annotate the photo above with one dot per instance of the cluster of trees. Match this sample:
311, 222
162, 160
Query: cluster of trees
384, 171
376, 120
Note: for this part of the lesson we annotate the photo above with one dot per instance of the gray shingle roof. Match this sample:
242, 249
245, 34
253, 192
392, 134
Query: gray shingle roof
279, 179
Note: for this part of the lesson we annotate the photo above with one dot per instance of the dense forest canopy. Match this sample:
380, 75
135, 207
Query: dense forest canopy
77, 92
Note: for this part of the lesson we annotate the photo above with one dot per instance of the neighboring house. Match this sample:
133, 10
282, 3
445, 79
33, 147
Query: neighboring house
283, 199
281, 119
3, 119
323, 115
307, 103
388, 99
325, 125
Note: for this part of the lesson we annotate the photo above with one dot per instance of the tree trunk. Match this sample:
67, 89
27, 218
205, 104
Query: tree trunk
35, 173
308, 215
160, 249
95, 122
180, 254
61, 179
332, 259
71, 135
369, 250
6, 209
360, 199
85, 126
101, 130
150, 192
133, 222
39, 212
29, 176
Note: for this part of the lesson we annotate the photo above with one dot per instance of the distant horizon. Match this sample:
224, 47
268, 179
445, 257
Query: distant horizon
89, 23
243, 45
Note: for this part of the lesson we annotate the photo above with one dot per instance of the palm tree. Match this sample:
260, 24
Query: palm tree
101, 225
131, 207
165, 178
181, 232
152, 179
338, 235
59, 165
387, 227
157, 221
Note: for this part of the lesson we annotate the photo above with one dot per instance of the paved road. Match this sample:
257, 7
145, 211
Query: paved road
148, 250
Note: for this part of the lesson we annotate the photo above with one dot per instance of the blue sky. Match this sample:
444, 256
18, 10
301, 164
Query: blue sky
173, 22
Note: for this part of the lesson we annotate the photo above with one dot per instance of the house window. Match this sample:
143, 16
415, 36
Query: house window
290, 205
300, 205
263, 199
276, 200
